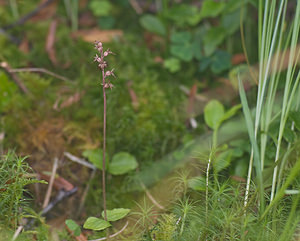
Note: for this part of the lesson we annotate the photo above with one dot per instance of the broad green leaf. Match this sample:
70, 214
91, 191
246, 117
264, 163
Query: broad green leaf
183, 14
233, 5
221, 61
211, 8
197, 183
100, 8
116, 214
96, 156
122, 163
204, 63
96, 224
213, 38
182, 51
181, 37
213, 114
231, 22
197, 43
153, 24
172, 64
73, 227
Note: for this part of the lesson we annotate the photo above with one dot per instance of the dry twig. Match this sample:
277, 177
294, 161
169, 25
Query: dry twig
49, 190
42, 70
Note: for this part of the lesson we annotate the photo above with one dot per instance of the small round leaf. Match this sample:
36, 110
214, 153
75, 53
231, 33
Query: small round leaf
122, 163
213, 114
116, 214
96, 224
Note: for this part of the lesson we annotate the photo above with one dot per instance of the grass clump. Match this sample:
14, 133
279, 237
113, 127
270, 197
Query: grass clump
15, 175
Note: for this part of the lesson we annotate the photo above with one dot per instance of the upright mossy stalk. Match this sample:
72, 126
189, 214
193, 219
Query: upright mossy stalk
102, 64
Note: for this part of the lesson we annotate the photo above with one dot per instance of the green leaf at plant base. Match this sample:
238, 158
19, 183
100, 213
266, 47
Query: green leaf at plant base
211, 8
197, 183
153, 24
122, 163
116, 214
73, 227
96, 156
96, 224
100, 8
213, 114
172, 64
213, 38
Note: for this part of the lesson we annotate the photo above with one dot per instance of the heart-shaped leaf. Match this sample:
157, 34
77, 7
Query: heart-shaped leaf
122, 163
116, 214
96, 156
96, 224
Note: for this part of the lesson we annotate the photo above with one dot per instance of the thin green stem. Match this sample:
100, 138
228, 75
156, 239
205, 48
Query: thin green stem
104, 145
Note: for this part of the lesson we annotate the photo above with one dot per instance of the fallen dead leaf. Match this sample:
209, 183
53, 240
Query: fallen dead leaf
158, 59
2, 136
86, 19
51, 41
238, 59
69, 101
83, 3
134, 99
59, 182
192, 98
90, 35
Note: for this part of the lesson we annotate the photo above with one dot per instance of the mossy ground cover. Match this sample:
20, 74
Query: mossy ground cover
167, 68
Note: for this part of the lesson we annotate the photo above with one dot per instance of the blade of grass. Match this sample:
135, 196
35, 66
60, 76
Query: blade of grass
255, 150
